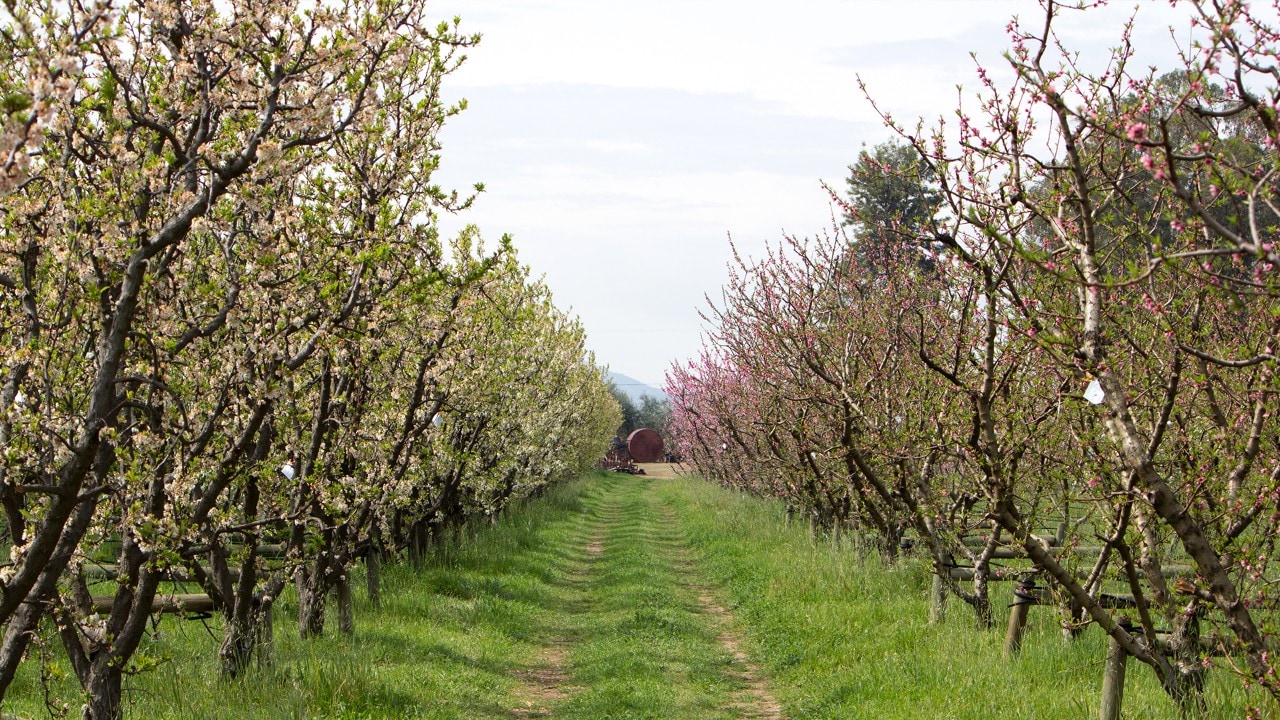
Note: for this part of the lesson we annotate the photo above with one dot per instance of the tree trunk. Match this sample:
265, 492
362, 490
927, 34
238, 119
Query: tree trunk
981, 600
103, 689
889, 546
1185, 683
415, 546
240, 605
22, 624
17, 637
310, 608
265, 627
938, 593
237, 648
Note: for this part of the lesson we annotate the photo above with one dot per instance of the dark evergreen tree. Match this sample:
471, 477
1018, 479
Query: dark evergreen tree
891, 203
630, 413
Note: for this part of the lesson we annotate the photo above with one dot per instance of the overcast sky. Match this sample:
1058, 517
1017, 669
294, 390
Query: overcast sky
622, 143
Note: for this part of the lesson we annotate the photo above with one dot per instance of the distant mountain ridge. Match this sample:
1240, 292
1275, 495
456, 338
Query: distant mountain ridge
633, 388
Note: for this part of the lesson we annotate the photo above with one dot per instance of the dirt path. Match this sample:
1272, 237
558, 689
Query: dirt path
664, 471
547, 684
627, 534
544, 685
756, 701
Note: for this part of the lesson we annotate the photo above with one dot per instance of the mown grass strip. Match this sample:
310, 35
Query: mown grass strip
589, 604
844, 637
646, 647
456, 640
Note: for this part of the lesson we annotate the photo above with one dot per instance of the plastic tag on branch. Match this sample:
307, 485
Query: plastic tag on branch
287, 471
1094, 392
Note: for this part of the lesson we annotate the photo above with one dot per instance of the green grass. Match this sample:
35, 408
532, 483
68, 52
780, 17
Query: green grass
844, 637
595, 589
460, 638
645, 649
447, 643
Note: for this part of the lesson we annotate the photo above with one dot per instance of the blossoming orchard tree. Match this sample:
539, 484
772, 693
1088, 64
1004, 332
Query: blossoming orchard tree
37, 71
227, 319
862, 410
1091, 345
160, 176
516, 401
1149, 274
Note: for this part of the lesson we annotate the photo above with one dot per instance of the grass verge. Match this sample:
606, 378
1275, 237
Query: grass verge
592, 603
450, 641
843, 637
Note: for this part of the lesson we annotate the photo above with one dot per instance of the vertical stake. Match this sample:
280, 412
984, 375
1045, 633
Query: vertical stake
938, 594
1113, 681
1024, 596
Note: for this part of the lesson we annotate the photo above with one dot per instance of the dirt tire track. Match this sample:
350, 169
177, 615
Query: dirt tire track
755, 701
546, 684
758, 703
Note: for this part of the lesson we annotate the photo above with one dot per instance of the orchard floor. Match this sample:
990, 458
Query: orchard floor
664, 471
622, 597
586, 603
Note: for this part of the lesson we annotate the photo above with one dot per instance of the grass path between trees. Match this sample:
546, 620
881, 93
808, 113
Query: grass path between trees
638, 633
586, 603
620, 598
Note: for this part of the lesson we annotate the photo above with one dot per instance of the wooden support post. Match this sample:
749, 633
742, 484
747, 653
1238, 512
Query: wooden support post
267, 636
1113, 681
181, 603
373, 574
1024, 596
346, 611
791, 514
938, 593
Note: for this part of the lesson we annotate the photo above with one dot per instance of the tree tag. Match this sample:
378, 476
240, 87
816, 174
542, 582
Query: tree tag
1094, 392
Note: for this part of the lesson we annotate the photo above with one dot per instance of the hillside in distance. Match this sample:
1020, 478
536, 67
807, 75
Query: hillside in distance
633, 388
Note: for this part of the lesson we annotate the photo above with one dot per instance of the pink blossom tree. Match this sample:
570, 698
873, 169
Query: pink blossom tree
1126, 253
1090, 347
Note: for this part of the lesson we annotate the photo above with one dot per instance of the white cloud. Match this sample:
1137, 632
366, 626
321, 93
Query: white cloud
621, 142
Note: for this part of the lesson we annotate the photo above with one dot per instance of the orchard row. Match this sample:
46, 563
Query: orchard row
1048, 320
229, 323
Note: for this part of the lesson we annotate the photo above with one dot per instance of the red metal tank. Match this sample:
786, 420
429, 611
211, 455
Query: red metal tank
645, 446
